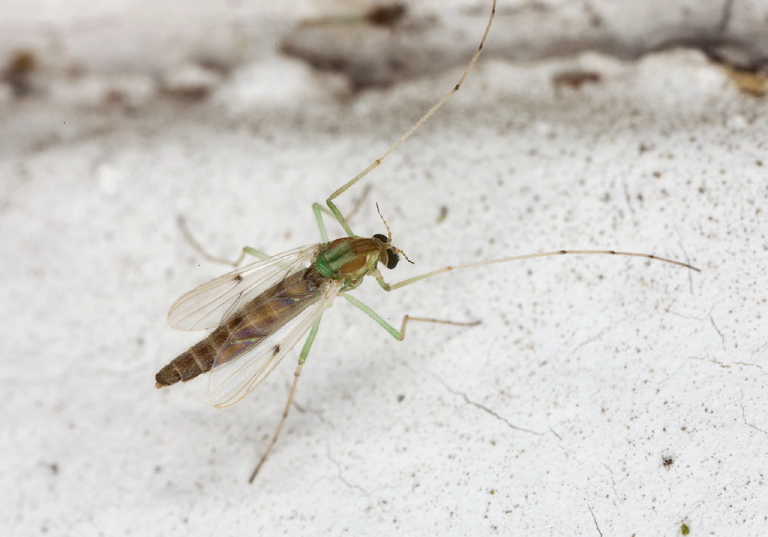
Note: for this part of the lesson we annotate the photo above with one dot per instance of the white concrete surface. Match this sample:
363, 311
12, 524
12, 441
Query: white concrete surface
552, 417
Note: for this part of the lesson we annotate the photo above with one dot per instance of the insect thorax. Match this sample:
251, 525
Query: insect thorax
349, 259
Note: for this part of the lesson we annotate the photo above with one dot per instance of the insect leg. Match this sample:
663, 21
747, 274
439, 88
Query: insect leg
318, 209
247, 250
399, 334
332, 206
391, 287
302, 358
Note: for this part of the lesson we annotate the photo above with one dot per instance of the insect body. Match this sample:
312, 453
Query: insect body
260, 312
254, 315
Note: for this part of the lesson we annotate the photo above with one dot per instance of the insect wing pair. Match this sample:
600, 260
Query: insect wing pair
260, 322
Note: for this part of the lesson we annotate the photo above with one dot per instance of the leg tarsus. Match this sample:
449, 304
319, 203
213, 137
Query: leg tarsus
346, 186
296, 374
407, 318
279, 429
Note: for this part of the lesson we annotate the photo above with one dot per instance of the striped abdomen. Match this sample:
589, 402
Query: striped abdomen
255, 321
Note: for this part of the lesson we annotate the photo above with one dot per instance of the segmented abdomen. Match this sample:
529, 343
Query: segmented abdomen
240, 333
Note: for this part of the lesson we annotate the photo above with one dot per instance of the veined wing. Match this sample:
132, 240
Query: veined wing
212, 303
240, 367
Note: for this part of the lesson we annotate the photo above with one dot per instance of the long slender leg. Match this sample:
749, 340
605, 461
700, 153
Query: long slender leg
400, 334
391, 287
319, 209
247, 250
332, 206
302, 358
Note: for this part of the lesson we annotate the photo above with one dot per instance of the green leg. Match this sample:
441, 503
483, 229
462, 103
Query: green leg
318, 210
247, 250
308, 343
302, 358
391, 287
336, 214
254, 252
399, 334
344, 222
339, 217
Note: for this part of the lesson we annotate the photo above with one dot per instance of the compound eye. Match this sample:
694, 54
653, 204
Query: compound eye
392, 259
382, 238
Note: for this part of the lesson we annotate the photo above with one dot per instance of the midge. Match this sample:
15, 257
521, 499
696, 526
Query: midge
259, 312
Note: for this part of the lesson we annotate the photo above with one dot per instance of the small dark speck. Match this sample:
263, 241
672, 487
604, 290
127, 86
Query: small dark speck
276, 350
685, 529
576, 79
400, 398
667, 460
239, 278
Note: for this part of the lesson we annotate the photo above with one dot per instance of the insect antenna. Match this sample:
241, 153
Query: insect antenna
389, 237
389, 231
399, 251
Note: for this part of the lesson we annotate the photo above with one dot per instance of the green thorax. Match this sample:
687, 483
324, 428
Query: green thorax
349, 259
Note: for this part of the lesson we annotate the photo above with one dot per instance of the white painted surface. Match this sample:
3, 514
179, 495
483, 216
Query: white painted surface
550, 417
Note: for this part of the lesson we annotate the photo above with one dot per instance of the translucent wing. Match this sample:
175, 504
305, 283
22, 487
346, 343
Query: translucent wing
212, 303
235, 375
